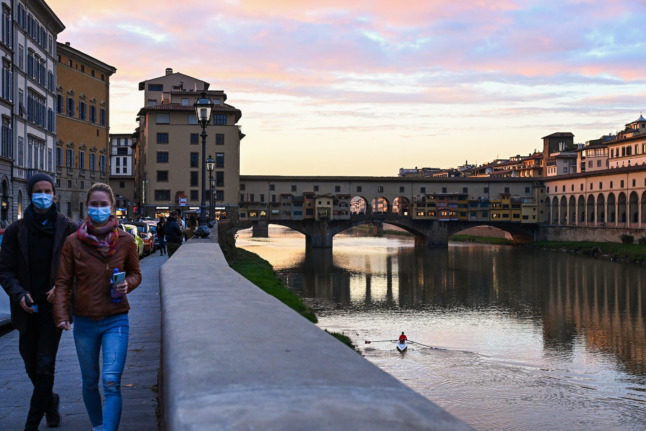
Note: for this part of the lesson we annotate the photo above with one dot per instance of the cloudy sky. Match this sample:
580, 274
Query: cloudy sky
366, 87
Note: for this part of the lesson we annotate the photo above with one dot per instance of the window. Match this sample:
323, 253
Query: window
102, 166
486, 190
527, 189
316, 188
70, 158
194, 195
195, 138
163, 118
219, 120
422, 189
401, 189
102, 117
93, 114
443, 189
162, 195
195, 160
155, 87
337, 189
192, 119
358, 189
380, 189
162, 176
219, 195
59, 156
219, 160
272, 187
59, 104
293, 187
506, 189
622, 184
162, 138
92, 162
194, 178
122, 184
219, 179
70, 107
219, 139
81, 159
162, 156
82, 111
465, 190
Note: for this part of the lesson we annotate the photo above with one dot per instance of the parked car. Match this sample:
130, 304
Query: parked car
144, 233
152, 226
132, 230
1, 236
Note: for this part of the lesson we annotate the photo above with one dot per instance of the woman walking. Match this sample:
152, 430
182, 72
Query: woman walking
88, 261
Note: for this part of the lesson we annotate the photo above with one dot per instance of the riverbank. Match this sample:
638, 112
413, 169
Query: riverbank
616, 252
262, 274
481, 239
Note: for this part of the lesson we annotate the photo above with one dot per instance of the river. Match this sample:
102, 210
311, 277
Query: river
518, 339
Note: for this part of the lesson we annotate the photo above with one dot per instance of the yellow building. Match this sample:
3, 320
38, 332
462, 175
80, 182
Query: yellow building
82, 125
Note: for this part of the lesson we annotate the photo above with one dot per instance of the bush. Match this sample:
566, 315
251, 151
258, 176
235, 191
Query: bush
627, 239
642, 240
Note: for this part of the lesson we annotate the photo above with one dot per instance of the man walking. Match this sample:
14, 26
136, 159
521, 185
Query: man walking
173, 235
28, 263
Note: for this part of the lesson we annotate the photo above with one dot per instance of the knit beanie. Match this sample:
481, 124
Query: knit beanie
39, 177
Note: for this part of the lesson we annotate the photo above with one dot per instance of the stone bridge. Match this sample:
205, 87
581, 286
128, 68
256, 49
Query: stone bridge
428, 233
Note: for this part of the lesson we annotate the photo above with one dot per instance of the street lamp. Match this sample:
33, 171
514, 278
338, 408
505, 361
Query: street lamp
210, 164
203, 107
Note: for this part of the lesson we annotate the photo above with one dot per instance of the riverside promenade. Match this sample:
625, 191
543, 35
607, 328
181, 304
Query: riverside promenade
139, 378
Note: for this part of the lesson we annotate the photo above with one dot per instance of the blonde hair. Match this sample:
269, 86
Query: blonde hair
100, 187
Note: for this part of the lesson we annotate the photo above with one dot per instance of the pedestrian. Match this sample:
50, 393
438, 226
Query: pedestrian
173, 234
98, 308
28, 263
161, 235
403, 338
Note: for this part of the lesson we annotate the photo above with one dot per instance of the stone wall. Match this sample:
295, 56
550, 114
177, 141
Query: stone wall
598, 234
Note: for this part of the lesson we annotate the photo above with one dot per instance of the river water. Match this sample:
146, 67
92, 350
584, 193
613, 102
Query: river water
518, 339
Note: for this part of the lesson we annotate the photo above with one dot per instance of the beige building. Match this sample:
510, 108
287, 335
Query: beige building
629, 146
82, 125
169, 147
122, 172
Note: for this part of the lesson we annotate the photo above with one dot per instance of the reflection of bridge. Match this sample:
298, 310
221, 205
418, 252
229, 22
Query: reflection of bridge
432, 209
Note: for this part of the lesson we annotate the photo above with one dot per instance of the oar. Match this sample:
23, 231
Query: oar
378, 341
430, 347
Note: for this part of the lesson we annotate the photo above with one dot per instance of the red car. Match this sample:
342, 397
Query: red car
146, 235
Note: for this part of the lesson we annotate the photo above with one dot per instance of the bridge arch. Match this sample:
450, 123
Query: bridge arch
380, 205
359, 205
401, 206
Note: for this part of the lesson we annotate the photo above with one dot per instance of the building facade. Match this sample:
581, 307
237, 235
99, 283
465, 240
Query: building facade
169, 157
122, 172
82, 121
32, 87
629, 146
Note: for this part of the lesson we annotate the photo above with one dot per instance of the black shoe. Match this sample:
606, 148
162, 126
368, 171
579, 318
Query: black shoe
52, 415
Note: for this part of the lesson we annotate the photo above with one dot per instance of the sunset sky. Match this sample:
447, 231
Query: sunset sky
365, 88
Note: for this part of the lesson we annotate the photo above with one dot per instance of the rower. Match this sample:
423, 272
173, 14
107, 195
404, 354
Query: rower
403, 338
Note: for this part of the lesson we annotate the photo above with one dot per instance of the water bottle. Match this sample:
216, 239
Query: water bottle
115, 296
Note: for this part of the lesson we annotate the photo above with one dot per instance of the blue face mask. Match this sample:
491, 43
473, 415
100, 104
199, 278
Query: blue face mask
42, 201
99, 214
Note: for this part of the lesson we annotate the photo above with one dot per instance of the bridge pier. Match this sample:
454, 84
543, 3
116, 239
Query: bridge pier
260, 229
318, 235
435, 236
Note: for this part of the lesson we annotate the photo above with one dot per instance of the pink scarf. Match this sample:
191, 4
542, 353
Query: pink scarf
88, 234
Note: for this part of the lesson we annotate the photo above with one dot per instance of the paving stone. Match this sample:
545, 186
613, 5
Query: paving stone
138, 380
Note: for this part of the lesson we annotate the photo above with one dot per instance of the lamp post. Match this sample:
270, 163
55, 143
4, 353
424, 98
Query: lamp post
203, 107
210, 164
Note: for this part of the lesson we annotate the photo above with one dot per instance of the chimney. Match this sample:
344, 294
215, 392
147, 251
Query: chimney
169, 71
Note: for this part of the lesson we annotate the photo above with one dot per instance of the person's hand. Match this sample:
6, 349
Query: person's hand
50, 294
122, 288
64, 325
23, 303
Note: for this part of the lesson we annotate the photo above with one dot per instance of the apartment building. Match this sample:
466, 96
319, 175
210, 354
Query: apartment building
6, 108
629, 146
82, 122
122, 172
169, 150
30, 82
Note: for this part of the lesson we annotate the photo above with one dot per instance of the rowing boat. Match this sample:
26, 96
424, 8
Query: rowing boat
402, 346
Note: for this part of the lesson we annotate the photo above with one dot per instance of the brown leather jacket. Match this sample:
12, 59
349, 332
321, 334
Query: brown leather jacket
83, 279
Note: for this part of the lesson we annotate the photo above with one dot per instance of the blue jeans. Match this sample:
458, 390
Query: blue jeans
111, 336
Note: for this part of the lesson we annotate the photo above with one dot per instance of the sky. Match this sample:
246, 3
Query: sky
368, 87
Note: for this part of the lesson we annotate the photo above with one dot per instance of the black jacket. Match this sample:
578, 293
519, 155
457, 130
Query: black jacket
14, 263
173, 231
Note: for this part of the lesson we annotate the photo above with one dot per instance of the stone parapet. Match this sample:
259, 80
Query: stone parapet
234, 358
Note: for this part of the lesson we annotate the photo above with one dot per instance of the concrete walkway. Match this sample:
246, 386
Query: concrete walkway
142, 364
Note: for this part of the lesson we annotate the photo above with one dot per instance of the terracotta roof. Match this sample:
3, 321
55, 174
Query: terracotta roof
559, 135
179, 107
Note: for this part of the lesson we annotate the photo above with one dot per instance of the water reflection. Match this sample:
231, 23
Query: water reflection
569, 296
559, 337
